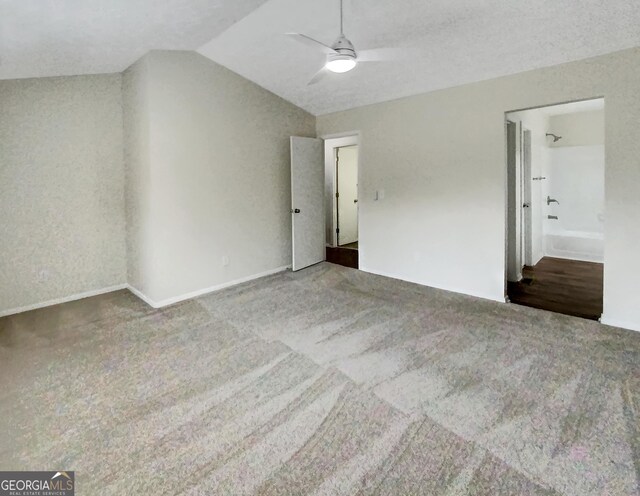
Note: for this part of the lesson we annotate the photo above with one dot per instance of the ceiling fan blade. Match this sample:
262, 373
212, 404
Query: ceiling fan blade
383, 55
320, 75
306, 40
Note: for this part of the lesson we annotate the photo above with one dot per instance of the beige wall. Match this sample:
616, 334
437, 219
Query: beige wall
440, 157
61, 188
219, 177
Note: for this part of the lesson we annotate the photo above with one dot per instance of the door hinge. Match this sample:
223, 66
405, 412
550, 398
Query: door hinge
337, 195
338, 230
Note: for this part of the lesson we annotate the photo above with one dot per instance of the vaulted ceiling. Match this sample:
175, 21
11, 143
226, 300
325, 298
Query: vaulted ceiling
41, 38
447, 42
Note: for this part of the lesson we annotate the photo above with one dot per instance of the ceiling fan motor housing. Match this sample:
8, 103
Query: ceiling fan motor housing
343, 47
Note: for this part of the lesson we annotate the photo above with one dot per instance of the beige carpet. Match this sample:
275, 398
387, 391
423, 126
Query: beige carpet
327, 381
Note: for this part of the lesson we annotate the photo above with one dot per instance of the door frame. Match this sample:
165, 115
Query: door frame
331, 142
506, 182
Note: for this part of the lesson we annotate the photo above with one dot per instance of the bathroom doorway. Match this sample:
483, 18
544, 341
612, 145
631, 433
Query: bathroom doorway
555, 212
342, 163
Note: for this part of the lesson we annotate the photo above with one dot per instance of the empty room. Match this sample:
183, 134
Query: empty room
291, 247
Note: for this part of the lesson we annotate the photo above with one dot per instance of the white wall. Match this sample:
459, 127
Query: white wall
577, 128
576, 180
441, 159
61, 189
575, 177
218, 159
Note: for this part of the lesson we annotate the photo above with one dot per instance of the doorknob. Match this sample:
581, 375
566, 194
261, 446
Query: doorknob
295, 210
525, 205
355, 201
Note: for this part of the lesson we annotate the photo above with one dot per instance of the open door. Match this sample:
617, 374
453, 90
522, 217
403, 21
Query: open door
527, 200
307, 202
347, 194
514, 204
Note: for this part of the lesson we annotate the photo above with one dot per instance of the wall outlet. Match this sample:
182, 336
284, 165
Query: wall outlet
225, 261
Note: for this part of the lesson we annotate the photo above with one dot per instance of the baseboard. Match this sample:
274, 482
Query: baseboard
619, 323
66, 299
142, 296
499, 299
204, 291
578, 258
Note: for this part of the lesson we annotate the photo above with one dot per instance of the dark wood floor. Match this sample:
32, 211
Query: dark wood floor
343, 256
564, 286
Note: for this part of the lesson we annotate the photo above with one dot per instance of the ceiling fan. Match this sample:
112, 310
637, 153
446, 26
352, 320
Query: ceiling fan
341, 55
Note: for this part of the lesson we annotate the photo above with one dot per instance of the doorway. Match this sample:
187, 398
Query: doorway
342, 164
555, 207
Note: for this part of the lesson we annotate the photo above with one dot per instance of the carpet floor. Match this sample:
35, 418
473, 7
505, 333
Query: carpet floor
326, 381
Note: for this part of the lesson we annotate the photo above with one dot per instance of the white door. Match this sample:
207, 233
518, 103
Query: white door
347, 194
307, 202
514, 210
527, 201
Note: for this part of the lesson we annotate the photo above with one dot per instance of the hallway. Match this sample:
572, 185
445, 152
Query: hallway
565, 286
343, 255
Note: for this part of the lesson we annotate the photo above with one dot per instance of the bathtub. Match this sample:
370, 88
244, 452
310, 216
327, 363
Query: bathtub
576, 245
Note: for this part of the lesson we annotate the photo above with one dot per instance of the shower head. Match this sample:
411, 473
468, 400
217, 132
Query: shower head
555, 138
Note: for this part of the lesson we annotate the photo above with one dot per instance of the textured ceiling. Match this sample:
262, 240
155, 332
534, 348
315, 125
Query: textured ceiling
452, 42
67, 37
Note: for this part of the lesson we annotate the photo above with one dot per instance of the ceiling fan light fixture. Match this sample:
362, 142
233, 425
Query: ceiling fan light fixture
341, 56
341, 63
